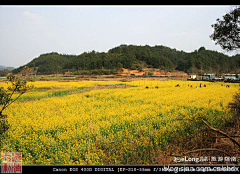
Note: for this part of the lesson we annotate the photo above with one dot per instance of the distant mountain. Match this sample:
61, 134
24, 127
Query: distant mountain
136, 57
5, 68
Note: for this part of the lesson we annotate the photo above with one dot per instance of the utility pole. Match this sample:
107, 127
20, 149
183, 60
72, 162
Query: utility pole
36, 72
201, 72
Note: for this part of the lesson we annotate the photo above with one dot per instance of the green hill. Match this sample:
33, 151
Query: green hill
50, 63
136, 57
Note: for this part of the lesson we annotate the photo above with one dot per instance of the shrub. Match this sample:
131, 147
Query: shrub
235, 107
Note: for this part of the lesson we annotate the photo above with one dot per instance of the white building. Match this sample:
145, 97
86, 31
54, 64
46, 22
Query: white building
208, 76
231, 76
193, 76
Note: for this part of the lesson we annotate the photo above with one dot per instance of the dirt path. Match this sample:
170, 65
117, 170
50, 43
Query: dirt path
87, 89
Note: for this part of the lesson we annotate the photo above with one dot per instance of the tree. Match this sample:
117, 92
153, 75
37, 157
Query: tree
201, 49
17, 86
227, 31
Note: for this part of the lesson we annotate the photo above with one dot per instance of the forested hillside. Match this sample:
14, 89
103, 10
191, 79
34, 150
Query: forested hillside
136, 57
50, 63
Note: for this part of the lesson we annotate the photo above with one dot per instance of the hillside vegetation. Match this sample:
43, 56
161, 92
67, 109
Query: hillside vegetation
136, 57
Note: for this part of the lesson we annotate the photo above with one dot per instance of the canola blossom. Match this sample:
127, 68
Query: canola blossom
110, 126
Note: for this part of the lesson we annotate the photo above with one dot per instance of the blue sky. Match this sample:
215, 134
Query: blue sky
28, 31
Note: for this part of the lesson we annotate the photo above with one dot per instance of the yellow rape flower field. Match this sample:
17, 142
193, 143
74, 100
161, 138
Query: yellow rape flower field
109, 126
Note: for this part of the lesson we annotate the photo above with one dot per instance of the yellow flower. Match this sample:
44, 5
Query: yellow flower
109, 125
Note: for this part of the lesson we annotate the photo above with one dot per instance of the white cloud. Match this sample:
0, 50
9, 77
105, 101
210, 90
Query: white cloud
33, 17
183, 33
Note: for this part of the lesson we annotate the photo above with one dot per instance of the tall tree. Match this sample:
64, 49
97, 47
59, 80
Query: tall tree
227, 31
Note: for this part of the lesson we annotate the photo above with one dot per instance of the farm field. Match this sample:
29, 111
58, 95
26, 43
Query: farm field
77, 123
